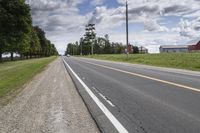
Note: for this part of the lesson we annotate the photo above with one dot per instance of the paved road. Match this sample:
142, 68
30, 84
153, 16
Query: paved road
143, 99
48, 104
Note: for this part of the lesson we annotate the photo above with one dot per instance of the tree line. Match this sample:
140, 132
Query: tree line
18, 35
101, 46
97, 45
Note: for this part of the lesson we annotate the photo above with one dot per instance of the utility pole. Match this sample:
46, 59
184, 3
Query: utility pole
127, 41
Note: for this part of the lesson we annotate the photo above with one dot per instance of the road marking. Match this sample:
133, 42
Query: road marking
106, 99
147, 77
95, 89
120, 128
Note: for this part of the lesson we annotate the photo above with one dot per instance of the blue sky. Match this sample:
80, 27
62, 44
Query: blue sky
86, 7
151, 22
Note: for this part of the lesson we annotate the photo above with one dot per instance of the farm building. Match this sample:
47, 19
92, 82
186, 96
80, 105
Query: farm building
136, 49
142, 50
173, 48
194, 48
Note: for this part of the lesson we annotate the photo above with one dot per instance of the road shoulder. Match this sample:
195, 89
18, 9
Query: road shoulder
49, 103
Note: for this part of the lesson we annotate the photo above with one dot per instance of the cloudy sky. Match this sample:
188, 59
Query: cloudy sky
152, 22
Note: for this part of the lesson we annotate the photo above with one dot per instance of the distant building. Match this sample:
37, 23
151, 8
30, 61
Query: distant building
135, 49
173, 48
142, 50
194, 48
130, 48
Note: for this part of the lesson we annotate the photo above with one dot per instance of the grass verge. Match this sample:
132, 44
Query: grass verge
188, 61
13, 75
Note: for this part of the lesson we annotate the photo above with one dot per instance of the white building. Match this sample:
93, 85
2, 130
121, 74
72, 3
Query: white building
173, 48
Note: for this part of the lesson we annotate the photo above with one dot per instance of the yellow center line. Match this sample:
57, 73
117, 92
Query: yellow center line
147, 77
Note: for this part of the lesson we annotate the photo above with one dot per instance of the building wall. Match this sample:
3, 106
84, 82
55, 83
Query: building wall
193, 48
173, 50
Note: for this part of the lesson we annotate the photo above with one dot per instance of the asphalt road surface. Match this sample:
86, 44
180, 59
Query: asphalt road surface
138, 98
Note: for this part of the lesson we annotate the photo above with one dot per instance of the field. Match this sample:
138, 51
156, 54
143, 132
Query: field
13, 75
188, 61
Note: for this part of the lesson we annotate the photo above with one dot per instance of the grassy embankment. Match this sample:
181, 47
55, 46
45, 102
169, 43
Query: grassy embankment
188, 61
13, 75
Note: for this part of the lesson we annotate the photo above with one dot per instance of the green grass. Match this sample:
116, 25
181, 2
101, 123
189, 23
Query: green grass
188, 61
13, 75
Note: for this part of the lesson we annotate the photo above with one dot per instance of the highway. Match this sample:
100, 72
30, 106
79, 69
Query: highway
137, 98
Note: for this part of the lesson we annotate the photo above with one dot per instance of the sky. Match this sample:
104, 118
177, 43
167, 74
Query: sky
151, 22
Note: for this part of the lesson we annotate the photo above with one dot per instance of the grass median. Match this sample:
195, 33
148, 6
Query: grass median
13, 75
188, 61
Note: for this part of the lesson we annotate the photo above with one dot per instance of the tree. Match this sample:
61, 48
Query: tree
102, 45
70, 49
47, 47
90, 36
42, 39
81, 46
86, 47
2, 46
34, 43
15, 23
53, 50
135, 50
99, 47
73, 49
3, 19
107, 48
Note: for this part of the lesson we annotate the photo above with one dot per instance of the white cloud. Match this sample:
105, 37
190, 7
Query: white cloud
190, 28
142, 10
63, 23
149, 13
152, 25
60, 19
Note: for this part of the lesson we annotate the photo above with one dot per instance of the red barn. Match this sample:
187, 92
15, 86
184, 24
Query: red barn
193, 48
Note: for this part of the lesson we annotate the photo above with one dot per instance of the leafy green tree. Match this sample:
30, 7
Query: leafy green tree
72, 49
3, 20
34, 43
99, 45
42, 39
47, 47
53, 50
69, 49
135, 50
81, 46
89, 40
107, 48
86, 47
2, 47
15, 23
102, 45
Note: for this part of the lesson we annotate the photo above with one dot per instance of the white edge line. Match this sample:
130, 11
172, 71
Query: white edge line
109, 115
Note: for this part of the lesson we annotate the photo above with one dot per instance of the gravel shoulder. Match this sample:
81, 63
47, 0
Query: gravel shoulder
50, 103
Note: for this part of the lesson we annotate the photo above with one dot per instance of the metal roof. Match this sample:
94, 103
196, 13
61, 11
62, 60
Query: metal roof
174, 46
